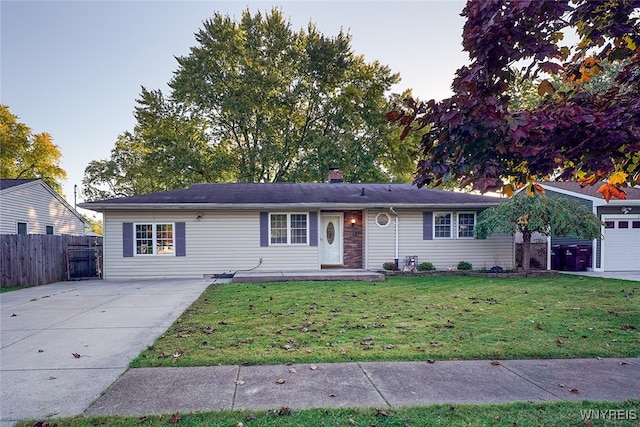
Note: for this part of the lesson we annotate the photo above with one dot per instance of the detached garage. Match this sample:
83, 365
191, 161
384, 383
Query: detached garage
619, 249
621, 245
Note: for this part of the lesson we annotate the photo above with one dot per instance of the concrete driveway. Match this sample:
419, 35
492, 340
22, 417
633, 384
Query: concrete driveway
106, 323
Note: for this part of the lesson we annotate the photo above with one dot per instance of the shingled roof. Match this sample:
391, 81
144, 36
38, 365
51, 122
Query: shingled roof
8, 183
289, 195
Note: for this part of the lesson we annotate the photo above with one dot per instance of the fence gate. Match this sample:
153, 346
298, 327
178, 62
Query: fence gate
83, 263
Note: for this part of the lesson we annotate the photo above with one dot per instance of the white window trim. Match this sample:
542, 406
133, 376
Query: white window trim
458, 223
433, 225
388, 219
155, 236
288, 214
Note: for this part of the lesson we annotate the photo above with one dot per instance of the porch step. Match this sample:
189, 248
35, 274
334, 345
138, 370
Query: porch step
308, 275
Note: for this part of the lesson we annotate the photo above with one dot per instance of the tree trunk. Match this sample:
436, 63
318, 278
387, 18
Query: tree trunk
526, 250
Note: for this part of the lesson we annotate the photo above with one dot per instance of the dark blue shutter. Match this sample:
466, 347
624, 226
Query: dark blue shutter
427, 225
181, 241
127, 239
264, 228
313, 228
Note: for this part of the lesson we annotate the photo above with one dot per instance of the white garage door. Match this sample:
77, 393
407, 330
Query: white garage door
621, 243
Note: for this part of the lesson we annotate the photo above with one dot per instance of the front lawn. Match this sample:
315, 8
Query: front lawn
404, 318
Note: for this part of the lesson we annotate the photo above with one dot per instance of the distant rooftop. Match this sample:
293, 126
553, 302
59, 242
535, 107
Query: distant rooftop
8, 183
590, 190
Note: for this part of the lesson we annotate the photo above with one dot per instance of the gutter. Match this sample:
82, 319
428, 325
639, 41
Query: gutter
397, 240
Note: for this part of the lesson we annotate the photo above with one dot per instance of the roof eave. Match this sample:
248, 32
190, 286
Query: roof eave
100, 207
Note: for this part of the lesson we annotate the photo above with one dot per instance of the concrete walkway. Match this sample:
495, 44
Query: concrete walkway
258, 276
367, 384
622, 275
64, 344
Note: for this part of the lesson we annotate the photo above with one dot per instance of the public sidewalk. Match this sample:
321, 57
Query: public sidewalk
367, 384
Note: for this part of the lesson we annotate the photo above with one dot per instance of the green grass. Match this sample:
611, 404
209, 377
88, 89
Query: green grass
13, 288
514, 414
404, 318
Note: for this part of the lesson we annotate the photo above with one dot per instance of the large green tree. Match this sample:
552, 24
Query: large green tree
24, 154
167, 149
482, 140
256, 101
537, 213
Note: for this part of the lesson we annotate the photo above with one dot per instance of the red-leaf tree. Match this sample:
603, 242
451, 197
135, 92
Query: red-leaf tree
474, 138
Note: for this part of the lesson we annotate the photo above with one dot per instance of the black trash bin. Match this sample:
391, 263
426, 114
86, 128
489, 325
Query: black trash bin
583, 257
556, 257
570, 255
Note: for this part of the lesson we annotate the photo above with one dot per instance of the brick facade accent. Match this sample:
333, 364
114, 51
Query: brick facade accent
353, 240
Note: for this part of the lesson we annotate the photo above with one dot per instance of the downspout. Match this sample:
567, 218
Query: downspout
397, 224
549, 252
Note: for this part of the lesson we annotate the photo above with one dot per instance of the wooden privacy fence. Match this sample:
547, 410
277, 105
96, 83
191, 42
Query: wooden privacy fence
38, 259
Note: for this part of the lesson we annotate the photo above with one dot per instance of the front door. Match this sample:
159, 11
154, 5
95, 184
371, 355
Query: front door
331, 239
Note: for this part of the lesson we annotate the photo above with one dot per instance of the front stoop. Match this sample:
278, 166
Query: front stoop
302, 276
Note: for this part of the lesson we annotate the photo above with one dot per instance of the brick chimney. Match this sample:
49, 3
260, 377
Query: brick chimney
335, 176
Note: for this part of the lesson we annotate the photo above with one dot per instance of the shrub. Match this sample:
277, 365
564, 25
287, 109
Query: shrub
496, 269
426, 266
464, 265
391, 266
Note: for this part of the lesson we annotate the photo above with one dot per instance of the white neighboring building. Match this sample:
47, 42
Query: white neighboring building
30, 206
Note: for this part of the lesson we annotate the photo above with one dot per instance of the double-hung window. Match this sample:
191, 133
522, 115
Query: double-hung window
442, 225
288, 229
154, 239
466, 223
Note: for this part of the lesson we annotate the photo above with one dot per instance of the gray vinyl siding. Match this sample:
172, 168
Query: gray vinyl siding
220, 242
498, 249
35, 205
587, 203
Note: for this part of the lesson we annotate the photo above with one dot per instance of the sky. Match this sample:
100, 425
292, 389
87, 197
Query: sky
74, 69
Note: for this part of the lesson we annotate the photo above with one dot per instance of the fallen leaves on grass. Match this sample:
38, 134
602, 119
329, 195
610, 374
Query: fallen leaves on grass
495, 363
282, 412
175, 418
